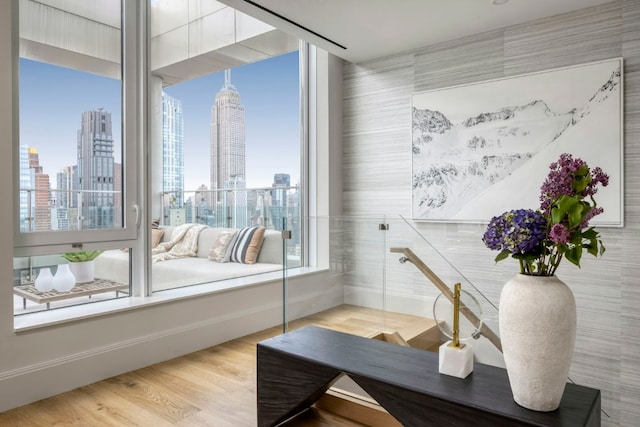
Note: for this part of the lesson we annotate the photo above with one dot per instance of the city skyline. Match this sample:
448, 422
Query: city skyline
54, 98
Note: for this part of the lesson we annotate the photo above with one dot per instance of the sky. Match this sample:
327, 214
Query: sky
52, 100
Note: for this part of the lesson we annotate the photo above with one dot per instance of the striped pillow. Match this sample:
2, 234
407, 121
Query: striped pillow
247, 246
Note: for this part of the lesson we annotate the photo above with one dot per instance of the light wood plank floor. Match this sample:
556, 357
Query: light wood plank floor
212, 387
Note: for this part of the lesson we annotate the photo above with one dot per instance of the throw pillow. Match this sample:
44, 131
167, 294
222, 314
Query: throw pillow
155, 223
247, 246
232, 243
221, 245
156, 236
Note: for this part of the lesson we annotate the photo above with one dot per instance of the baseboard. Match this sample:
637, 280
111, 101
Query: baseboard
57, 375
373, 297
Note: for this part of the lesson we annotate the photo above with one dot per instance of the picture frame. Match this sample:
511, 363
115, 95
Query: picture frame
483, 148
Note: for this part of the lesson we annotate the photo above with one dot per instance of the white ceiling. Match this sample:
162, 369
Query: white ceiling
376, 28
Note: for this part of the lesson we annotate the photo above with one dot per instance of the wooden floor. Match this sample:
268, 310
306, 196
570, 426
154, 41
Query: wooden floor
212, 387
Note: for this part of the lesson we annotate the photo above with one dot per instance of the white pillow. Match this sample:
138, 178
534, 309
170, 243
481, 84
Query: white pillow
220, 247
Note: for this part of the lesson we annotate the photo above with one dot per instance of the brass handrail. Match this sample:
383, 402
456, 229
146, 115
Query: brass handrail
466, 312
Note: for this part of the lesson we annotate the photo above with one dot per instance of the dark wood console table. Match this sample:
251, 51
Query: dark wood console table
297, 368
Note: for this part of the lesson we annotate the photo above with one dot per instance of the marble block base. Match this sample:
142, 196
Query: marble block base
456, 362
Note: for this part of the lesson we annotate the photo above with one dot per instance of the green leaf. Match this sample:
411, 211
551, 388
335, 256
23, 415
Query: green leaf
581, 183
575, 215
502, 255
592, 247
574, 255
576, 238
590, 233
602, 248
563, 205
562, 248
81, 256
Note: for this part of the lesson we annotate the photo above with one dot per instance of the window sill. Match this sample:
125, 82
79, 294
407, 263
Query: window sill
42, 319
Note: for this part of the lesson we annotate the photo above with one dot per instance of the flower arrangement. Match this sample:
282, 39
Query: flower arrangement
540, 239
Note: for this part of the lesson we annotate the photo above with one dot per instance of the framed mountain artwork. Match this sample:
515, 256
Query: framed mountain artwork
483, 148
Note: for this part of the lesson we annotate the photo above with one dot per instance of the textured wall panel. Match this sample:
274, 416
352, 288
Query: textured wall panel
377, 175
459, 62
573, 38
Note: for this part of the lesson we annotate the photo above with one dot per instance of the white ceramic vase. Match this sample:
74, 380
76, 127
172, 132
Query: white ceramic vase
44, 281
537, 328
83, 271
64, 280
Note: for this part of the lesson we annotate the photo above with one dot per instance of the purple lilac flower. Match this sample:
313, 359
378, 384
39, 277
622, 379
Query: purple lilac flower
592, 212
518, 231
561, 177
560, 180
559, 234
597, 177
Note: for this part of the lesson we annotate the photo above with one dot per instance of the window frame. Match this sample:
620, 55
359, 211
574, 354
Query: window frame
48, 242
136, 129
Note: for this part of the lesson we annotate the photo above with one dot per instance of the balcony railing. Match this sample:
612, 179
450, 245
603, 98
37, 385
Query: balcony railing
53, 209
276, 208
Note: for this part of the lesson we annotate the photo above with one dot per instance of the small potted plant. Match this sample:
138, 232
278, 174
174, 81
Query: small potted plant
81, 264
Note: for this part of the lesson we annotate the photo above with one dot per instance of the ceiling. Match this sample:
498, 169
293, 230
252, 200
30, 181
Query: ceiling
376, 28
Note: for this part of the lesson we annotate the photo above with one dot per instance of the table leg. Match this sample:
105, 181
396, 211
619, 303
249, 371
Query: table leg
24, 303
48, 305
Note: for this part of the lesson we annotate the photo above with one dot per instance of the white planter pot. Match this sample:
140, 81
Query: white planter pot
537, 328
83, 271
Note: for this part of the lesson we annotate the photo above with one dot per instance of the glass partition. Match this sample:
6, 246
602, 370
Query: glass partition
428, 260
377, 265
351, 299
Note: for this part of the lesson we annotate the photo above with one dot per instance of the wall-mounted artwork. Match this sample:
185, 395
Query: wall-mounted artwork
484, 148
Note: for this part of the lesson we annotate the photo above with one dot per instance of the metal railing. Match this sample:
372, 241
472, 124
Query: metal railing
275, 208
71, 210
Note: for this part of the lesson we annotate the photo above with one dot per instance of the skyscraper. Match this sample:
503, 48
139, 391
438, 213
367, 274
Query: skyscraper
95, 169
173, 149
228, 159
65, 200
278, 204
64, 180
281, 180
25, 185
41, 195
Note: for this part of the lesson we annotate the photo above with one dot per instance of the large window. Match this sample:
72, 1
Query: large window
231, 131
75, 154
227, 142
218, 109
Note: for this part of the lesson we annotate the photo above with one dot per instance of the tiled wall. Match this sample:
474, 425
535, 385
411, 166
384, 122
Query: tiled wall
377, 181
